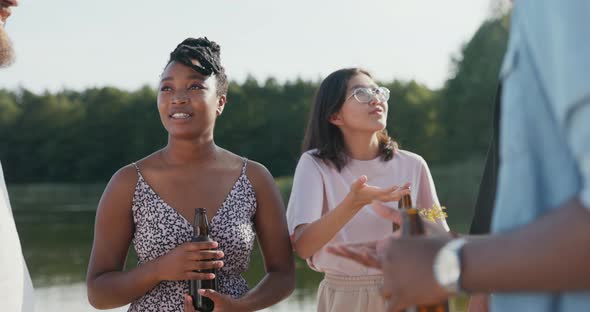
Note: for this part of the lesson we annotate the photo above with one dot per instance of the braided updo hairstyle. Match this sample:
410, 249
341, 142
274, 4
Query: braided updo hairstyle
207, 53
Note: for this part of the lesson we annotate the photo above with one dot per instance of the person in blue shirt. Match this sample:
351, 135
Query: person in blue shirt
536, 258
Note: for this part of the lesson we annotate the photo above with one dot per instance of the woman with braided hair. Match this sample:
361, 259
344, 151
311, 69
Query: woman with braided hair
151, 201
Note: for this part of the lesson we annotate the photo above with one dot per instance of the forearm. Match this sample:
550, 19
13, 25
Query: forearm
318, 233
547, 255
274, 287
117, 288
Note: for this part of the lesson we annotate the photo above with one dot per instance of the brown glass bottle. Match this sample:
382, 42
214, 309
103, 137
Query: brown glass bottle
412, 226
201, 234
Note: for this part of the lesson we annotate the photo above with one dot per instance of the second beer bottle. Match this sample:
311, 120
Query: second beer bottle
412, 226
201, 234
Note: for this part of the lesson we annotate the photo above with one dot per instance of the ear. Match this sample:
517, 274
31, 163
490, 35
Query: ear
336, 119
221, 104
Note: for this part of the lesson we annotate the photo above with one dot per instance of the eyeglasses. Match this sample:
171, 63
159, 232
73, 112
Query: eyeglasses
365, 95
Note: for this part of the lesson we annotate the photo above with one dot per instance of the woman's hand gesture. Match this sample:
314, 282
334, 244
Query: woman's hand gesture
362, 194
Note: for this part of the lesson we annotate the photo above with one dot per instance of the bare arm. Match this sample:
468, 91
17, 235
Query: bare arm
546, 255
273, 238
549, 254
310, 238
109, 286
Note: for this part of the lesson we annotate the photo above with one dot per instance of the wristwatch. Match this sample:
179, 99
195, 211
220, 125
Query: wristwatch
447, 265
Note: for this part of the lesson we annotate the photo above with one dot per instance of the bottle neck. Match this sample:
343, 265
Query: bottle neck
201, 224
412, 224
405, 202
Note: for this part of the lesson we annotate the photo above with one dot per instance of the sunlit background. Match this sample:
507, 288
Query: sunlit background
79, 103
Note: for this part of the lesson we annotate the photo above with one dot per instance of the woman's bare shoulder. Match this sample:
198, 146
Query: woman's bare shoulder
259, 175
125, 179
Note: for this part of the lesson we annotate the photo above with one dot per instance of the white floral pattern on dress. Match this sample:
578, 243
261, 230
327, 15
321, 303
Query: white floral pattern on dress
159, 228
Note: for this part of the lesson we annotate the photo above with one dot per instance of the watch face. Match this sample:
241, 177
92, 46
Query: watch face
447, 268
447, 265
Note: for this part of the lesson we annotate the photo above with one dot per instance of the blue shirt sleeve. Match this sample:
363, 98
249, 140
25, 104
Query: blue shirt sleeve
558, 36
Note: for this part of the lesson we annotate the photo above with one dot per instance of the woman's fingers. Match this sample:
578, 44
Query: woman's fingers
366, 193
396, 195
211, 294
188, 303
197, 246
393, 193
205, 255
204, 265
191, 275
359, 183
390, 189
364, 253
398, 189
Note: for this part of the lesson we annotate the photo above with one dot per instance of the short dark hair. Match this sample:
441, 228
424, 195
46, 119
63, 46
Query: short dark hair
207, 53
327, 138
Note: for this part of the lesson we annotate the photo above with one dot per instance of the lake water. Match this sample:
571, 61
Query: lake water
55, 224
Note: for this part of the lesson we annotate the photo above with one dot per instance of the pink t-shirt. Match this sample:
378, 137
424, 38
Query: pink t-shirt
318, 186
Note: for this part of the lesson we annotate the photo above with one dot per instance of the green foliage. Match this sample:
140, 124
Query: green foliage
72, 136
467, 98
284, 184
412, 119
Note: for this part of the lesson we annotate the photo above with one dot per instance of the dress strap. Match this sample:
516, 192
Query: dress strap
244, 166
136, 168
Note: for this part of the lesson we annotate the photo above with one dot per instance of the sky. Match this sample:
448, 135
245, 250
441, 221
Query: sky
78, 44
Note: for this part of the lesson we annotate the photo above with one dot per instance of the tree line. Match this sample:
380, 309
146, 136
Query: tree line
82, 136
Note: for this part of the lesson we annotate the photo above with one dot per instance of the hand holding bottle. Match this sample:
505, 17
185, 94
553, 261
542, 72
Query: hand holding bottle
223, 303
182, 262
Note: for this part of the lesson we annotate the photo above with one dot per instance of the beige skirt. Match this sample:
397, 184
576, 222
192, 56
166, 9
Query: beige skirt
350, 293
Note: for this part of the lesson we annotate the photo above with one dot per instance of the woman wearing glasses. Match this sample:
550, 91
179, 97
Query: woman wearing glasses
350, 170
